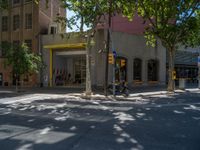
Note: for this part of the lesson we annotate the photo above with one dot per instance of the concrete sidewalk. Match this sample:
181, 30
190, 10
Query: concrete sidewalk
98, 94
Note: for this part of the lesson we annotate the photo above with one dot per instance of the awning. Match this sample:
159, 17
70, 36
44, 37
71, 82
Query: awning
70, 53
66, 46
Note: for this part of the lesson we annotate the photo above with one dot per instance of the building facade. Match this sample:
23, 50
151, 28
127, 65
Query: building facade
136, 63
186, 64
142, 65
65, 56
25, 21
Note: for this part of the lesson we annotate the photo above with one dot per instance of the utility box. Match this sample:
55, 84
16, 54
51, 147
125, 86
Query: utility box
182, 83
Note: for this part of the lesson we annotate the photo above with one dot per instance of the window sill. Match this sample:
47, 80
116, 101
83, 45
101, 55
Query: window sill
28, 28
16, 5
27, 2
153, 82
17, 30
137, 82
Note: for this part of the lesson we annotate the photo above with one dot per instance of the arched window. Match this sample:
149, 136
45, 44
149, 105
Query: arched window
152, 70
137, 69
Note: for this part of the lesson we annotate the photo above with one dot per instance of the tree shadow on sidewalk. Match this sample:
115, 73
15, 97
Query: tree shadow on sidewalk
83, 125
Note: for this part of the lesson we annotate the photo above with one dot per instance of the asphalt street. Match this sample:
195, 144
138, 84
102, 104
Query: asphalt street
63, 122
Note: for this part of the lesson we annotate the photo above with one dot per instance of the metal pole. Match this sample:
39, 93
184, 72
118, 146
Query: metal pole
199, 78
114, 64
51, 67
199, 71
107, 49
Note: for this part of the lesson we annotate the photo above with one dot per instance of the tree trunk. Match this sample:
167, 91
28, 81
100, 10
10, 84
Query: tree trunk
16, 85
107, 49
171, 83
88, 91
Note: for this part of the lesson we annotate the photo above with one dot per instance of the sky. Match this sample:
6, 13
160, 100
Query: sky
69, 14
75, 29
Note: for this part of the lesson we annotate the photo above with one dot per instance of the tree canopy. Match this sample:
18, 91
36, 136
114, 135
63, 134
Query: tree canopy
173, 22
21, 59
90, 13
193, 39
3, 4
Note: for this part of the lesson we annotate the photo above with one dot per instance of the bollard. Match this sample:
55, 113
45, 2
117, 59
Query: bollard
182, 83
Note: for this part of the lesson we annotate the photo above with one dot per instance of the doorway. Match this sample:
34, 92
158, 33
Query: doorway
16, 78
69, 70
1, 79
121, 69
80, 70
152, 70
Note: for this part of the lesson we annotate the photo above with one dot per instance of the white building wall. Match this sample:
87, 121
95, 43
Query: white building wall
131, 46
126, 45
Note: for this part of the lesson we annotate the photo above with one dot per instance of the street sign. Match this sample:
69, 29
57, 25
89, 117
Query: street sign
114, 54
198, 61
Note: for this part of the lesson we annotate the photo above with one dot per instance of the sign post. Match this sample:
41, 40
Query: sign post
114, 65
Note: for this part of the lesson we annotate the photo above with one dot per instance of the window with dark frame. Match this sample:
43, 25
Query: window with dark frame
26, 1
28, 43
28, 21
16, 2
152, 70
6, 3
53, 30
137, 69
16, 43
16, 22
1, 49
4, 25
3, 45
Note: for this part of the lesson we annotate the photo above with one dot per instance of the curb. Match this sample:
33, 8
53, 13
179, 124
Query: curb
120, 97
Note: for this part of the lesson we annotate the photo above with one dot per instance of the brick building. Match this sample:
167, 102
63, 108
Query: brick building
25, 21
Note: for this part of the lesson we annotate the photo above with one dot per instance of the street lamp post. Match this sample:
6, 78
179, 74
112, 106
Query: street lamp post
199, 70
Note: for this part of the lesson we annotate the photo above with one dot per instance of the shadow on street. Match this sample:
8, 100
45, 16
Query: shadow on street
156, 122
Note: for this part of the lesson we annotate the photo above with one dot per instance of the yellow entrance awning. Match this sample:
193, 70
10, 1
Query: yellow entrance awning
68, 46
